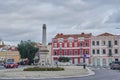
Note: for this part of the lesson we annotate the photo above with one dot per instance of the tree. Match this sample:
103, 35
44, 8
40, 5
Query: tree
63, 59
27, 50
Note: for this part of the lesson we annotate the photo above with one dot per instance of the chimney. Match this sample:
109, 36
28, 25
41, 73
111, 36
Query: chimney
82, 33
90, 34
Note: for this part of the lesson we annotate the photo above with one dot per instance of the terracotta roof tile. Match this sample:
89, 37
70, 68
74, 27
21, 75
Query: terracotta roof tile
2, 46
73, 35
106, 34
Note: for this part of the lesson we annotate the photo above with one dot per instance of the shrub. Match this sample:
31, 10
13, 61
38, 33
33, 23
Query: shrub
44, 69
63, 59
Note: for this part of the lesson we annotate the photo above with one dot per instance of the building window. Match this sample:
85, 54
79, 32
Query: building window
97, 43
93, 51
87, 44
116, 51
80, 44
65, 52
110, 60
94, 61
116, 43
75, 44
55, 45
103, 42
60, 52
98, 51
60, 39
116, 59
70, 39
98, 61
70, 52
104, 51
81, 39
110, 52
81, 52
70, 44
75, 52
87, 52
60, 45
109, 43
55, 53
65, 45
93, 43
104, 62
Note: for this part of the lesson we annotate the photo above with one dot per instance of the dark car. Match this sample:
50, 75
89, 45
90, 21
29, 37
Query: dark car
115, 65
11, 65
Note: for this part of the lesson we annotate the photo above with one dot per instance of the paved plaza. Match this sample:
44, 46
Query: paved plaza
70, 71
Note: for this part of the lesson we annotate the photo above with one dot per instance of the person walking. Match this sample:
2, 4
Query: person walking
84, 66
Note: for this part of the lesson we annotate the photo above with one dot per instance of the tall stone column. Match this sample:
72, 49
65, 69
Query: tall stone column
43, 51
44, 35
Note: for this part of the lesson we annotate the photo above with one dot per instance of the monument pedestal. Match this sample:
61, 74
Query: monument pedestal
43, 56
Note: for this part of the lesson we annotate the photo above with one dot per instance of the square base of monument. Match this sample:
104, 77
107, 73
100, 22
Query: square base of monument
43, 59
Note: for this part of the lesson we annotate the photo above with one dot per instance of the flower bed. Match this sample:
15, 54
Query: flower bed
44, 69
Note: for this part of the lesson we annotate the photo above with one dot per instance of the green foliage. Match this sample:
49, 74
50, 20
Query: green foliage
63, 59
27, 50
44, 69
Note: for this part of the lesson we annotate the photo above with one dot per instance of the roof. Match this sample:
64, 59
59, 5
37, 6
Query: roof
106, 34
2, 46
61, 35
13, 48
50, 43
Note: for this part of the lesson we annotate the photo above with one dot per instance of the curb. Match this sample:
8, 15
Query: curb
90, 72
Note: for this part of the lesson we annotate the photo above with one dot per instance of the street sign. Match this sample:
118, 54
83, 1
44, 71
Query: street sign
84, 56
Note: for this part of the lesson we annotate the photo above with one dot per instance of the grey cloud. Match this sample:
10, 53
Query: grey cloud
23, 19
114, 18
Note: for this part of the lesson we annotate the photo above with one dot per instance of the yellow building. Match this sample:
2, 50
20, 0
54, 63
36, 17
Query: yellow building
10, 54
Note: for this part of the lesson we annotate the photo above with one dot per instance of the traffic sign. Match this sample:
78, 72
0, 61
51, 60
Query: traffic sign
84, 56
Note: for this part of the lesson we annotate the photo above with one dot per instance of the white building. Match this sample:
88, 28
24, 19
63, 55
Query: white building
105, 48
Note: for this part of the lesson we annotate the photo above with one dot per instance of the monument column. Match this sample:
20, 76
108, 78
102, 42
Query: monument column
43, 51
44, 35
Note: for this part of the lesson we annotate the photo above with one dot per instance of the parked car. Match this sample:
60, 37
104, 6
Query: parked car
115, 65
11, 65
23, 62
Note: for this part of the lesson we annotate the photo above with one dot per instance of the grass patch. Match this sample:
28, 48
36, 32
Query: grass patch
44, 69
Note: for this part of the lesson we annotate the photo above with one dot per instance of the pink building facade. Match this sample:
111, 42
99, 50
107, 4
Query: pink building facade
74, 46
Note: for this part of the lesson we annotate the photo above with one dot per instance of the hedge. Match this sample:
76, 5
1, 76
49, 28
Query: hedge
63, 59
44, 69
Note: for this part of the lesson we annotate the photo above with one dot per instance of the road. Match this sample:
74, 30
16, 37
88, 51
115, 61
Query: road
2, 67
101, 74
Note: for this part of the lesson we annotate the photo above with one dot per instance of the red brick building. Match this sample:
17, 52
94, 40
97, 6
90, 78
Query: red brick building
74, 46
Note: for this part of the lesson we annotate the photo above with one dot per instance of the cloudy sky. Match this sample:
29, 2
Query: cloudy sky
23, 19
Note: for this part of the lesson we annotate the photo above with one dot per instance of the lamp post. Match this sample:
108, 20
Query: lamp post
84, 65
6, 55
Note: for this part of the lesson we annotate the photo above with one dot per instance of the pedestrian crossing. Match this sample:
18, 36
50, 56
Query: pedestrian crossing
97, 68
